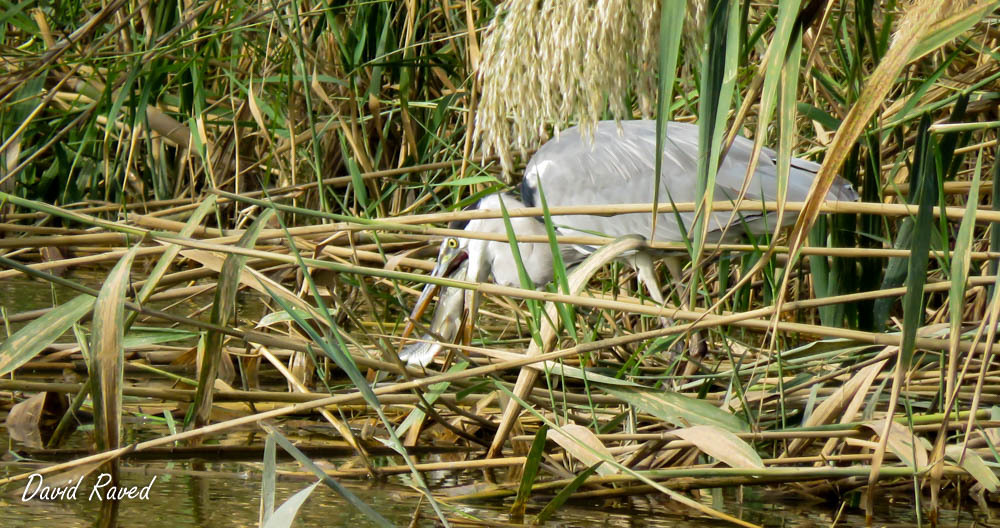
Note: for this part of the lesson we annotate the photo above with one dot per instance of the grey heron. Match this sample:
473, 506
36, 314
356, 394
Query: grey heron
615, 166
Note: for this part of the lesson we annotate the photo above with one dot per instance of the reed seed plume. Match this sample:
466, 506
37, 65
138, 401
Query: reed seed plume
548, 62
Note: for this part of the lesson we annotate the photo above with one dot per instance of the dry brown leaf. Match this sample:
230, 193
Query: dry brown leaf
584, 446
842, 404
911, 449
723, 445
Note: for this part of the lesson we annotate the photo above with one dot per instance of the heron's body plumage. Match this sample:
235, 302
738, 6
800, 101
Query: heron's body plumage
616, 165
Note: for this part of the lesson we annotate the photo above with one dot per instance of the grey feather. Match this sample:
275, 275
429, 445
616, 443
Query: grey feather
618, 167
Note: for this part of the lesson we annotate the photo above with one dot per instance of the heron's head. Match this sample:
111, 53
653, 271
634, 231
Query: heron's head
452, 253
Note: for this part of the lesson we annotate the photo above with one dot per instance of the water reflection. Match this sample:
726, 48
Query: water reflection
229, 495
179, 500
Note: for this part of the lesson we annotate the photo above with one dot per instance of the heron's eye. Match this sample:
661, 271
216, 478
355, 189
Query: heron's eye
452, 243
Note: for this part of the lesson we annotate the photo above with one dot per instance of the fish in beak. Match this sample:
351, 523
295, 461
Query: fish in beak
453, 263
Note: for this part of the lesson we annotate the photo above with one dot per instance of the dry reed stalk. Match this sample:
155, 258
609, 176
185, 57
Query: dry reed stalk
701, 478
453, 466
752, 206
40, 230
104, 256
106, 239
89, 209
186, 395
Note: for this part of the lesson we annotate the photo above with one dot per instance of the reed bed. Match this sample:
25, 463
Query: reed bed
261, 187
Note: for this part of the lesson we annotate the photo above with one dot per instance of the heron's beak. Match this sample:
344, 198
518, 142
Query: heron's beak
449, 260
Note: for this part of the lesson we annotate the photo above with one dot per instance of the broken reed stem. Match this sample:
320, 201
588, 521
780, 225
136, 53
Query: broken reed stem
706, 477
927, 423
185, 395
433, 233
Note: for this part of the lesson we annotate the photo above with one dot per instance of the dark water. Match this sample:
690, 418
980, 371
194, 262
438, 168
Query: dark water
229, 494
184, 500
233, 500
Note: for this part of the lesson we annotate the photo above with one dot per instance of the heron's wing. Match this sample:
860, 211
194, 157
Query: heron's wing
615, 168
618, 167
763, 184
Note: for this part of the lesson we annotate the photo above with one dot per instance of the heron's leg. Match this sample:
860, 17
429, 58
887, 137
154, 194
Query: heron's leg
697, 346
676, 268
642, 261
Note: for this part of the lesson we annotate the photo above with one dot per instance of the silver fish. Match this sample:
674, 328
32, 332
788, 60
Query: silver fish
444, 325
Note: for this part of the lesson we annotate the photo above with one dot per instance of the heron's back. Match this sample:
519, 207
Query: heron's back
619, 168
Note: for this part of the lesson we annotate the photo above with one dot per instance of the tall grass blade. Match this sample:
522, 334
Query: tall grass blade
564, 494
909, 448
722, 445
677, 409
558, 267
530, 472
976, 466
29, 341
672, 15
284, 516
787, 109
107, 357
584, 446
268, 481
782, 53
223, 310
924, 178
894, 275
522, 274
960, 262
350, 497
718, 80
